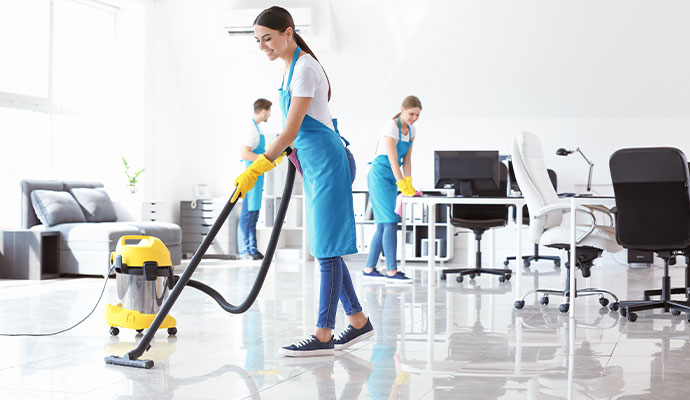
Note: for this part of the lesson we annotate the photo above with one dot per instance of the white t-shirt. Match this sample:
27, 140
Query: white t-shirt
251, 139
391, 130
309, 80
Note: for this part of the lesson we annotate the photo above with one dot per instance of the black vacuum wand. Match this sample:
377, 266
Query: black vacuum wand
131, 359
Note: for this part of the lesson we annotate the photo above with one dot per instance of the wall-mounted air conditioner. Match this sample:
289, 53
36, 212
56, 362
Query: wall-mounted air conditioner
240, 21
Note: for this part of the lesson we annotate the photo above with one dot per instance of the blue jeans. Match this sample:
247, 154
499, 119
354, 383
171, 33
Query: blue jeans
385, 239
246, 230
335, 284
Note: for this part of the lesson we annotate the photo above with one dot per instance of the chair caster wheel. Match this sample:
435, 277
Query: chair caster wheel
458, 278
526, 264
519, 304
544, 301
172, 331
443, 277
508, 276
506, 263
472, 276
675, 312
564, 307
613, 306
501, 279
139, 330
623, 312
632, 317
557, 264
646, 298
114, 331
603, 301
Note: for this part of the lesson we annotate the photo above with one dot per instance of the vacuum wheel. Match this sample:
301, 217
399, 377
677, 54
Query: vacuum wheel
114, 331
139, 330
172, 331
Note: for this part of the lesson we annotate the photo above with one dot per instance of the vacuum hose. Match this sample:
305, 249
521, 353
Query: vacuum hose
131, 359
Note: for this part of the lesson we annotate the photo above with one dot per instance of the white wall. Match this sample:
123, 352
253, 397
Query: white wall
595, 74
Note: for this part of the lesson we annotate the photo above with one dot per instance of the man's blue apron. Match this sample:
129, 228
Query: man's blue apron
327, 183
253, 197
381, 181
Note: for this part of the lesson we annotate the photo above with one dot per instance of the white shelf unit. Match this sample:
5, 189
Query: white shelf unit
293, 237
414, 242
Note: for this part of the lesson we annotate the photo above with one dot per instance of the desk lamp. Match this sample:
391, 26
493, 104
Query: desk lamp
564, 152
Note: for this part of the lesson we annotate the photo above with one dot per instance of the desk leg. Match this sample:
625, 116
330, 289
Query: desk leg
403, 226
518, 250
432, 245
573, 256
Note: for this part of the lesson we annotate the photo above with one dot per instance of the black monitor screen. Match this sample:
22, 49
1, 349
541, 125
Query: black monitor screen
462, 169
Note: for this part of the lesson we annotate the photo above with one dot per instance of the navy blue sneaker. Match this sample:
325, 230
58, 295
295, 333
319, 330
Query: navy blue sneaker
351, 335
373, 275
309, 347
399, 277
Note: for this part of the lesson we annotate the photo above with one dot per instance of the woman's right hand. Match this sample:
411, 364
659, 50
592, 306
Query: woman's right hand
247, 179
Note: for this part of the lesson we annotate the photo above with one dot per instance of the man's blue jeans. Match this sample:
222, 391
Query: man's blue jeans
246, 230
335, 284
385, 239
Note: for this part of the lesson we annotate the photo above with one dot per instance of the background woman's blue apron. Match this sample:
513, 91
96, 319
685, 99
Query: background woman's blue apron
327, 183
381, 181
253, 197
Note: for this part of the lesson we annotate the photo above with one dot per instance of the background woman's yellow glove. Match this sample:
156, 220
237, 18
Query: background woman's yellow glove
405, 189
247, 179
408, 179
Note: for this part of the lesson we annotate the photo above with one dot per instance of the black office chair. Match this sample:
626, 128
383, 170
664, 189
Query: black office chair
479, 219
527, 260
652, 192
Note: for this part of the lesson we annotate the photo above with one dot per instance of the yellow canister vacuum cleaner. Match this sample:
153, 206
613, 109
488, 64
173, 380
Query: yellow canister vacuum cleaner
144, 276
154, 292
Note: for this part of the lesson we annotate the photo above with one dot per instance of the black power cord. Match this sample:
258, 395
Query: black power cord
107, 276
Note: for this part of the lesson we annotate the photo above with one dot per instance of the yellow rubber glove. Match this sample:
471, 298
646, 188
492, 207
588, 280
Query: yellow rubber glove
405, 189
408, 179
247, 179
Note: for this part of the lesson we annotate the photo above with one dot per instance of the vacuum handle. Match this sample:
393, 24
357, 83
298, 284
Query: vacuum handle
148, 239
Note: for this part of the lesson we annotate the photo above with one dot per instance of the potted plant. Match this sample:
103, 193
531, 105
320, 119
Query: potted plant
132, 179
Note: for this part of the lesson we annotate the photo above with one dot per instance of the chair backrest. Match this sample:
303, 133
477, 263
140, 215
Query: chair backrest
534, 182
513, 182
652, 192
485, 189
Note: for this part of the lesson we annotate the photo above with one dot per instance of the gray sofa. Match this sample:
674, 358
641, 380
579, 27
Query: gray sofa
85, 246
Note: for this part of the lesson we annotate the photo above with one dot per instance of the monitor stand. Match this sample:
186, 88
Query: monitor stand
463, 188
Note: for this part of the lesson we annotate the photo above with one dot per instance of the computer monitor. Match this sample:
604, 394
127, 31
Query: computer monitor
463, 170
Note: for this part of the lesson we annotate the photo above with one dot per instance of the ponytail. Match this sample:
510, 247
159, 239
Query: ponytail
303, 45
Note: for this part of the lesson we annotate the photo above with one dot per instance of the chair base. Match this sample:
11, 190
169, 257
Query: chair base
503, 274
565, 307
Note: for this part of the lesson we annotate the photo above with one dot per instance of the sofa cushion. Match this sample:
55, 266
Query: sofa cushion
95, 232
53, 207
168, 233
96, 204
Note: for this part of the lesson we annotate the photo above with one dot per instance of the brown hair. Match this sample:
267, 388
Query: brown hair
279, 19
262, 104
410, 102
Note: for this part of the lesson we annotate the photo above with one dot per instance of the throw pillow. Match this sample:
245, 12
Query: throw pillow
96, 204
53, 207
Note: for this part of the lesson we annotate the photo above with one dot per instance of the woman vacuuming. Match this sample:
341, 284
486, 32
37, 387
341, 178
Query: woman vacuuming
304, 95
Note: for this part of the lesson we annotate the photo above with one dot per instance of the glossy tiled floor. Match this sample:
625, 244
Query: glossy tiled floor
457, 341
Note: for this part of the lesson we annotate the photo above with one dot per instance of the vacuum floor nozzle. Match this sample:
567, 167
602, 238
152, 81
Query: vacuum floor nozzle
125, 361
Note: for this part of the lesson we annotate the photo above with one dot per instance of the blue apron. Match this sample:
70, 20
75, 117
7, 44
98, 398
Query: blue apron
253, 197
381, 181
327, 183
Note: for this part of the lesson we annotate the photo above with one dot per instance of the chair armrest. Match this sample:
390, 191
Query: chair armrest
565, 208
601, 209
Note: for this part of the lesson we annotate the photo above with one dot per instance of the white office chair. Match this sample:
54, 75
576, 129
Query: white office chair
546, 225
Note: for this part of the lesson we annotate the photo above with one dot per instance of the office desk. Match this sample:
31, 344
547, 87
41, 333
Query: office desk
432, 201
